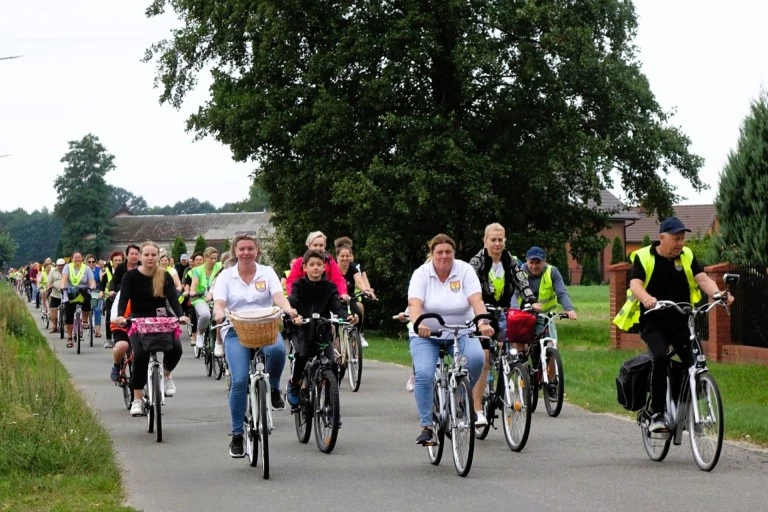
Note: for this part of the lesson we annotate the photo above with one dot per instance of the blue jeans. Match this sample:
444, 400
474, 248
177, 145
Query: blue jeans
239, 360
96, 308
424, 353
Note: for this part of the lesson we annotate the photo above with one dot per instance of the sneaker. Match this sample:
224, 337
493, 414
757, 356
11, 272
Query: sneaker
363, 341
137, 408
199, 341
658, 423
236, 450
114, 374
480, 420
293, 395
277, 400
109, 344
410, 385
170, 387
218, 350
426, 438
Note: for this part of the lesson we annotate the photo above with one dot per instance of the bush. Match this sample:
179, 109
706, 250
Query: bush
646, 240
200, 244
179, 248
591, 271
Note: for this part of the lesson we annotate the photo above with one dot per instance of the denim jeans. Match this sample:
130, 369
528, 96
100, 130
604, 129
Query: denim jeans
424, 353
239, 360
96, 305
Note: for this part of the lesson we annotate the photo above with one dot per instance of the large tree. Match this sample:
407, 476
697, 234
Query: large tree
35, 233
393, 121
122, 197
8, 248
84, 199
742, 207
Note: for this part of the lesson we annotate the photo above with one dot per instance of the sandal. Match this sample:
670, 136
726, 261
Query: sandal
69, 343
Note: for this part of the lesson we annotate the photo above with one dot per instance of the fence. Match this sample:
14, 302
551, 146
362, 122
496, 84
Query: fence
749, 323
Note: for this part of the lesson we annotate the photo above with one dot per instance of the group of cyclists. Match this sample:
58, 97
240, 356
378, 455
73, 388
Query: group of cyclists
201, 289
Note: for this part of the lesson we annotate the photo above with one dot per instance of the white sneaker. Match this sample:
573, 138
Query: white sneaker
170, 387
192, 340
218, 350
363, 341
199, 341
137, 408
410, 385
481, 421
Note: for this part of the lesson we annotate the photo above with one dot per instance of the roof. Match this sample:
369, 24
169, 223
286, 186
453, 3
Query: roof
699, 218
213, 226
609, 202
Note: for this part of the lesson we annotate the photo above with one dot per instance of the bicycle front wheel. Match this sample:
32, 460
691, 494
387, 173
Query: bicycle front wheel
462, 426
516, 411
354, 360
302, 416
249, 428
327, 411
553, 395
707, 434
208, 353
90, 328
157, 398
78, 332
435, 452
125, 383
262, 427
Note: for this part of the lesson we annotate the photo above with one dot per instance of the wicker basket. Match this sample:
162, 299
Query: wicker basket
257, 328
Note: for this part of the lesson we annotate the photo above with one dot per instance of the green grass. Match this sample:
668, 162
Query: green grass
55, 454
591, 366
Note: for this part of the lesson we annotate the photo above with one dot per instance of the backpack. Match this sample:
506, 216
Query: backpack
633, 382
521, 326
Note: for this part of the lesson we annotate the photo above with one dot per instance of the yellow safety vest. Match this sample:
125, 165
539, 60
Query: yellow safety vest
43, 278
546, 297
75, 278
629, 314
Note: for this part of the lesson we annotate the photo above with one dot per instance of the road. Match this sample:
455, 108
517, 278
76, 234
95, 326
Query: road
578, 461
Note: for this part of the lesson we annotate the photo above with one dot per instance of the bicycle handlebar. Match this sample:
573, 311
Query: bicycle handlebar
454, 327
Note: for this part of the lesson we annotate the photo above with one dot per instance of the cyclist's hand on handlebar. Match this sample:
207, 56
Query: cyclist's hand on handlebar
345, 298
424, 331
718, 295
352, 319
486, 329
298, 320
650, 302
536, 306
184, 319
291, 312
119, 321
370, 294
571, 314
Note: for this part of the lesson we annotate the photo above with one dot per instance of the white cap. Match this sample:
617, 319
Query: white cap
61, 261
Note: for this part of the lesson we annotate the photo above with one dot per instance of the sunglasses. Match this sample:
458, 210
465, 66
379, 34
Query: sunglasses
91, 261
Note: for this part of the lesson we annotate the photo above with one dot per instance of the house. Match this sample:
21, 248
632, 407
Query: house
701, 219
216, 228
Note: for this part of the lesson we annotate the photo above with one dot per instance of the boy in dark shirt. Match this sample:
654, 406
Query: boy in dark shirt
313, 294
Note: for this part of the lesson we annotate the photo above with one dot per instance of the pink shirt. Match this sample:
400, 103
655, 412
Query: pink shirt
332, 274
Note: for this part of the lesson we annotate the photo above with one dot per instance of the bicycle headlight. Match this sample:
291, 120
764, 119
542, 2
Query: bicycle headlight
701, 358
259, 366
461, 360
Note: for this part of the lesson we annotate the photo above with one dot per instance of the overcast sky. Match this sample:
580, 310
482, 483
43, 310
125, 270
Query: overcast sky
81, 73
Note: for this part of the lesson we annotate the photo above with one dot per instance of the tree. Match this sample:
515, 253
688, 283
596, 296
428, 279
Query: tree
646, 240
8, 248
393, 121
257, 201
121, 197
741, 198
617, 251
227, 245
84, 198
200, 244
35, 233
186, 207
591, 270
559, 258
701, 246
179, 248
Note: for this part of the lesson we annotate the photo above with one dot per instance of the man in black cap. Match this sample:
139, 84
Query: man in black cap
666, 270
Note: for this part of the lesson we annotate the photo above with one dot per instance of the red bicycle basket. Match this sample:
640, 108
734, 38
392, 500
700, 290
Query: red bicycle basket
521, 326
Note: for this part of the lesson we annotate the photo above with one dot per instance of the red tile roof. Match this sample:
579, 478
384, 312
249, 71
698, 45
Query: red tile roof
699, 218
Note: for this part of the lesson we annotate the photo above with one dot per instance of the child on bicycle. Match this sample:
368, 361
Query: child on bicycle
312, 294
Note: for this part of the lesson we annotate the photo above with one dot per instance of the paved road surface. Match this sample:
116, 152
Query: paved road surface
578, 461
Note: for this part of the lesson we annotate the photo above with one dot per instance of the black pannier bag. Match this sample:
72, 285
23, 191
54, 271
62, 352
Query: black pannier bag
632, 384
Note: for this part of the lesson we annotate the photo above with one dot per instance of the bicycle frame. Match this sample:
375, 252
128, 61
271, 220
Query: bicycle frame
255, 374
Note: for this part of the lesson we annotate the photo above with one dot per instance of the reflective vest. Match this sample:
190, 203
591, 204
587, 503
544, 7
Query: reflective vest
43, 278
497, 283
203, 282
108, 272
629, 314
546, 297
74, 280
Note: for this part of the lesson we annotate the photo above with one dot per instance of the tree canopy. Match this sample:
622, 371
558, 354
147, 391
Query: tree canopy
8, 248
393, 121
35, 235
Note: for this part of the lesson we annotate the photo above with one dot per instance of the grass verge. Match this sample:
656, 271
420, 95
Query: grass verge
54, 454
591, 365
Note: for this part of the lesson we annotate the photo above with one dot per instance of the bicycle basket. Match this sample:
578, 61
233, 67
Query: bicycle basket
256, 328
155, 334
521, 326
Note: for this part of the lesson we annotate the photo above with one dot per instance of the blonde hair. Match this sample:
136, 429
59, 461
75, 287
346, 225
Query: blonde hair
158, 277
494, 227
313, 235
208, 251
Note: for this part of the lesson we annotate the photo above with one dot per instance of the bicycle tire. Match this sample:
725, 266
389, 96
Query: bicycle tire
218, 367
46, 321
147, 402
516, 411
354, 360
341, 364
435, 452
488, 405
77, 331
706, 436
125, 383
157, 398
90, 328
656, 444
462, 426
249, 429
262, 428
207, 355
60, 322
303, 416
327, 411
533, 378
554, 406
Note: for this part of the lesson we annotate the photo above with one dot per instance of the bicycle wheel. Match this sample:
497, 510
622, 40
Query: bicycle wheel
462, 426
326, 411
354, 360
157, 398
553, 396
125, 383
516, 410
77, 331
706, 435
488, 402
90, 328
148, 405
208, 354
60, 321
249, 428
302, 416
262, 427
435, 452
656, 444
46, 321
218, 366
341, 363
534, 377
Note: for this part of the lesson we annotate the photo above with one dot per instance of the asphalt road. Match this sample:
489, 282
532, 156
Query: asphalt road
578, 461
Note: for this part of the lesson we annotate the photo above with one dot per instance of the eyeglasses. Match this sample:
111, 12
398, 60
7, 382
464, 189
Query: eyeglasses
91, 261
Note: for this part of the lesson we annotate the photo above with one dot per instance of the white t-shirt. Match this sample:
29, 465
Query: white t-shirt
449, 299
240, 296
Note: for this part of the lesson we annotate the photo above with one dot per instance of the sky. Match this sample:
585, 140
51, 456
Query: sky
81, 72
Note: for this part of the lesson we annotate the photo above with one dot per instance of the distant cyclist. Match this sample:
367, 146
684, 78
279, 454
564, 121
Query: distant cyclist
78, 281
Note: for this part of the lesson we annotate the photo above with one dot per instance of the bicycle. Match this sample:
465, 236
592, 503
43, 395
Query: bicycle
697, 407
318, 395
348, 349
44, 315
60, 321
545, 367
452, 408
77, 326
507, 389
125, 378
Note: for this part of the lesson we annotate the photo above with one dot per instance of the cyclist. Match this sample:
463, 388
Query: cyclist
78, 281
500, 276
186, 281
120, 338
202, 275
665, 270
54, 289
42, 284
165, 264
450, 288
96, 302
248, 285
355, 279
149, 289
316, 241
182, 266
310, 294
115, 259
34, 269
